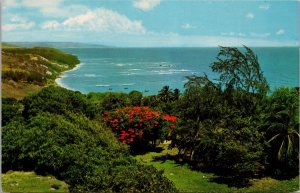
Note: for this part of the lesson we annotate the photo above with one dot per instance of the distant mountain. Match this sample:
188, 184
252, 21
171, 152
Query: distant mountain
57, 45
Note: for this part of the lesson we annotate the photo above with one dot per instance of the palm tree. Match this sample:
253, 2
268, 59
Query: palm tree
165, 94
284, 123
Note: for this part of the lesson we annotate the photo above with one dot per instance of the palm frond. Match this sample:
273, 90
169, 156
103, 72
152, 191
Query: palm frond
290, 146
279, 156
274, 137
296, 133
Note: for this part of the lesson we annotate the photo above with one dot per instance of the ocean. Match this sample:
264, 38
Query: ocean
149, 69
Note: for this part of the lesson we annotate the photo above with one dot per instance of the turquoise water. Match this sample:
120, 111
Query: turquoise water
149, 69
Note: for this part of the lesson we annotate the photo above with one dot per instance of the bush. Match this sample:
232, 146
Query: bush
59, 101
114, 100
135, 98
11, 109
63, 142
78, 151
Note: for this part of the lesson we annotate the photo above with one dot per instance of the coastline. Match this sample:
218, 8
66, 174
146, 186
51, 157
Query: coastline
62, 75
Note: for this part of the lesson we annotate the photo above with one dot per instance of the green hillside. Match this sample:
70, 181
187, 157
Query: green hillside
16, 181
27, 70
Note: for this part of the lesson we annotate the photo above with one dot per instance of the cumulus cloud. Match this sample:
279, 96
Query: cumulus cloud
98, 20
51, 25
145, 5
264, 6
233, 34
18, 23
187, 26
280, 32
250, 15
49, 8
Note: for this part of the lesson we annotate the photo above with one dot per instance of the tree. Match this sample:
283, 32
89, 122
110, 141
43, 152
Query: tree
176, 94
137, 126
114, 100
165, 94
57, 100
283, 129
220, 118
198, 107
135, 98
11, 109
240, 70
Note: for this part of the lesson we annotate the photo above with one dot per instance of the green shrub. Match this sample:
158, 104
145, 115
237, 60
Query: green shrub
57, 138
11, 109
78, 151
59, 101
114, 100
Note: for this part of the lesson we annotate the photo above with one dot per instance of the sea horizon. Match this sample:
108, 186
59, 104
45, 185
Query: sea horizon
94, 76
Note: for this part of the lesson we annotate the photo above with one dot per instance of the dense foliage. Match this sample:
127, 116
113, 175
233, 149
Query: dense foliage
54, 136
232, 128
282, 132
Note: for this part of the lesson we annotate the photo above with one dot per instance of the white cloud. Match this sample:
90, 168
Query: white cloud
250, 15
233, 34
264, 6
187, 26
280, 32
51, 25
54, 8
99, 20
145, 5
18, 23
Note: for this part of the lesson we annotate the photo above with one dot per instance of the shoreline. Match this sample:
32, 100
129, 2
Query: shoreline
62, 75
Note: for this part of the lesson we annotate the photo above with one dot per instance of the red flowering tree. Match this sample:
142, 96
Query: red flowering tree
139, 125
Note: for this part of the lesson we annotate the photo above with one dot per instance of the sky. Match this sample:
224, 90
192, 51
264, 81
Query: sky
153, 23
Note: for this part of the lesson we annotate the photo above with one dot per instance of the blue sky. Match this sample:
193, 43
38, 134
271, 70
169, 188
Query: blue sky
153, 23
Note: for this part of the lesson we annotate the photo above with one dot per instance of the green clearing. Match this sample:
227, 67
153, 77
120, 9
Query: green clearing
30, 182
187, 180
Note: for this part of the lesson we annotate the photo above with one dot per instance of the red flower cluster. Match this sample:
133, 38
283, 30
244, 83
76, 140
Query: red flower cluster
170, 118
131, 123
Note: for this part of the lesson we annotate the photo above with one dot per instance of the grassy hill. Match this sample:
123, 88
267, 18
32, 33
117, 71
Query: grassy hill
14, 181
188, 180
27, 70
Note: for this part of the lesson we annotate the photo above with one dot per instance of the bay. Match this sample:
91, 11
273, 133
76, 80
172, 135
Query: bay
149, 69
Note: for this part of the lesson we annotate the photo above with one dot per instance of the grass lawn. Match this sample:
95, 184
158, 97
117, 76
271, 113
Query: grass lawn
30, 182
187, 180
18, 90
